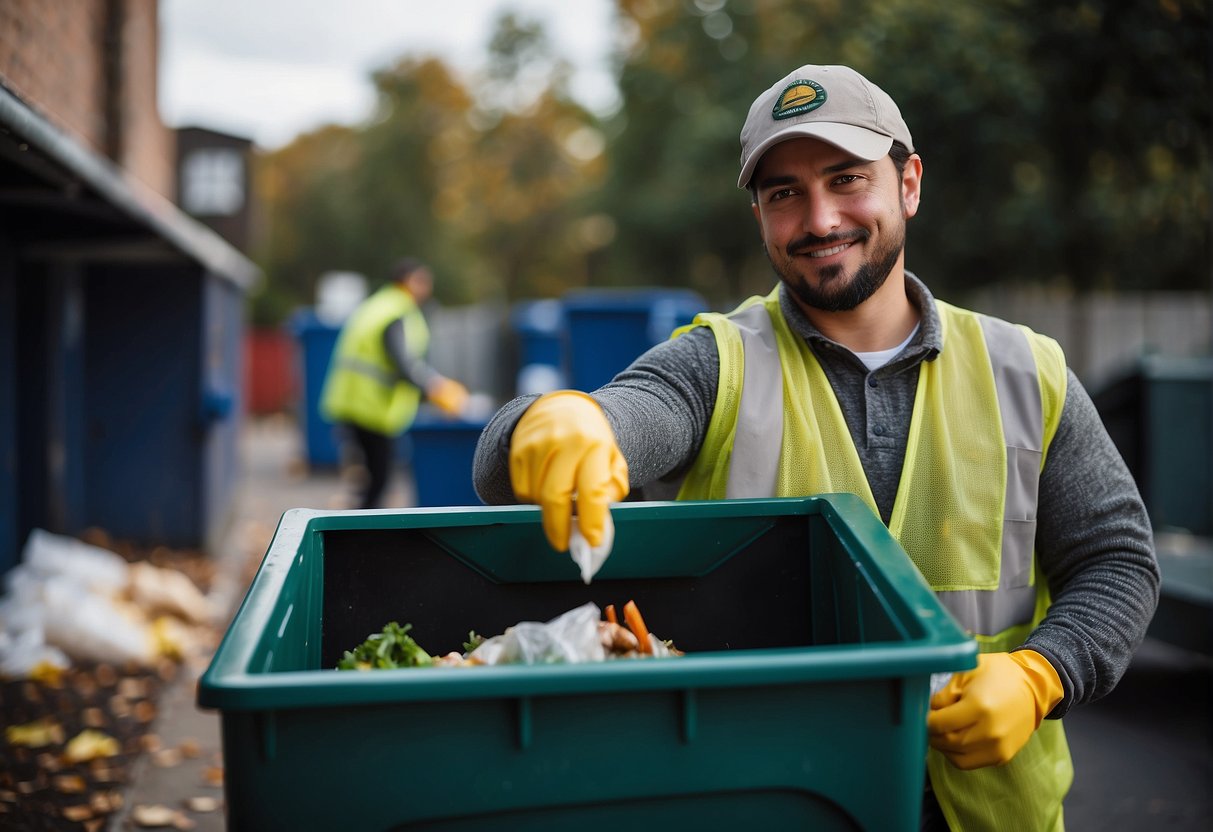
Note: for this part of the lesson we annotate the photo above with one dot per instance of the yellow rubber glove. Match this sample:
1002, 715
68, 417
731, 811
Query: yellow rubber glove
984, 716
447, 395
563, 448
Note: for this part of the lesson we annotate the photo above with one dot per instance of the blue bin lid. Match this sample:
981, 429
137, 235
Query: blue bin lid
538, 317
305, 320
631, 300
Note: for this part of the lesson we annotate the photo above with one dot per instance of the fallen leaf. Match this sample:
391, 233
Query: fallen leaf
36, 734
90, 745
77, 813
201, 804
69, 783
48, 762
106, 676
118, 706
167, 758
106, 802
190, 748
152, 815
213, 776
48, 673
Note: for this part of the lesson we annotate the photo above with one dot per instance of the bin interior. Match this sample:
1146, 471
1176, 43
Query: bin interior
723, 584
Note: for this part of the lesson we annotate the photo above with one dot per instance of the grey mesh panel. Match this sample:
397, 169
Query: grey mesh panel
1019, 401
758, 441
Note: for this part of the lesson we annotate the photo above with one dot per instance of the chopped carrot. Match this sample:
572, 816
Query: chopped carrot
610, 614
631, 614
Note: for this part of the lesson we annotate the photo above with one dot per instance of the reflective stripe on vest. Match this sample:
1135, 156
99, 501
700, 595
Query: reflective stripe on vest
755, 458
757, 444
1018, 386
379, 374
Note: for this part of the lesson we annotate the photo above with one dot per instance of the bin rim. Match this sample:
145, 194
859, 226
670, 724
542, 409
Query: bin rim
231, 683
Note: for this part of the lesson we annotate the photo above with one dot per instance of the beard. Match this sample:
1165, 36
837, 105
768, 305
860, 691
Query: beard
834, 292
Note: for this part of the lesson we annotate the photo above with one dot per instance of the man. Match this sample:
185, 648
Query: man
967, 435
378, 373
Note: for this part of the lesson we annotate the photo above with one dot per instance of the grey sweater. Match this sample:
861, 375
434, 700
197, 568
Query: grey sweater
1093, 537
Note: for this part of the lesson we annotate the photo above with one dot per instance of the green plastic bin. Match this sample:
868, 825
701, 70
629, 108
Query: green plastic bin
801, 702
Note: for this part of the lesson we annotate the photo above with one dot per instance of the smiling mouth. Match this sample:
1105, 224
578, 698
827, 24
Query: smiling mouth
827, 252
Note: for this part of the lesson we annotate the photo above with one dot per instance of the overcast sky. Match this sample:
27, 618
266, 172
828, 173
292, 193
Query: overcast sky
271, 69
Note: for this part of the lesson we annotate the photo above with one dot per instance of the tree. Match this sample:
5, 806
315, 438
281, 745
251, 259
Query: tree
1062, 142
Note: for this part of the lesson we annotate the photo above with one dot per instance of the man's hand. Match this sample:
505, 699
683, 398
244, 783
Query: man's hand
984, 716
447, 395
563, 447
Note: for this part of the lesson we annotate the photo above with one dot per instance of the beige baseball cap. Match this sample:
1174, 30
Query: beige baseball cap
832, 103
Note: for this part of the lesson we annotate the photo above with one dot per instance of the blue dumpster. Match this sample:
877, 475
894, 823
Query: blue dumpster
316, 338
609, 328
442, 451
540, 327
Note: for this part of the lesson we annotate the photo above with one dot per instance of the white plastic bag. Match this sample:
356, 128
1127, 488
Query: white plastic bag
46, 555
70, 598
569, 638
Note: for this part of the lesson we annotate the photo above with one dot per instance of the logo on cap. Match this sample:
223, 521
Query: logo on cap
797, 98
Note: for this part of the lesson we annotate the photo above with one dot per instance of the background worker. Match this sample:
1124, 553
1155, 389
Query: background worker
379, 373
968, 436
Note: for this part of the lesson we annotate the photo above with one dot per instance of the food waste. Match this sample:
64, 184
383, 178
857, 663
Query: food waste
582, 634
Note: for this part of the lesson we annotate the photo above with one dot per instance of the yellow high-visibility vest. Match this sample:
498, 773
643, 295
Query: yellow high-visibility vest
985, 411
362, 385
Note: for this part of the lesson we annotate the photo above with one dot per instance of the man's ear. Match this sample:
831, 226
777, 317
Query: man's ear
757, 218
911, 185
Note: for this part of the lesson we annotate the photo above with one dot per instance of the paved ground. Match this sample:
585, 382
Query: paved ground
1144, 755
274, 480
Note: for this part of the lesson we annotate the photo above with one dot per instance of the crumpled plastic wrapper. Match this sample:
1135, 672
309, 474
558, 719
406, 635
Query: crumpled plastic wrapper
570, 638
939, 681
589, 559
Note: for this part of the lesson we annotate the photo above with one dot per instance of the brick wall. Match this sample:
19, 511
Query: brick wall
55, 57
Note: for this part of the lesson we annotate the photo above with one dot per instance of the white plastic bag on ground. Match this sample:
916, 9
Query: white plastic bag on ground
569, 638
68, 598
24, 651
46, 554
93, 627
159, 590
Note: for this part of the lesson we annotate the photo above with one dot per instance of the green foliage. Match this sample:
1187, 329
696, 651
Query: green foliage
1061, 141
391, 648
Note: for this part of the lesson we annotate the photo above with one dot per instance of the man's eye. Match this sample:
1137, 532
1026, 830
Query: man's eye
782, 193
846, 179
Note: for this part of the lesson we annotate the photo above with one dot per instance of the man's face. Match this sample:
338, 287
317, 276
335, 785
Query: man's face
420, 284
833, 226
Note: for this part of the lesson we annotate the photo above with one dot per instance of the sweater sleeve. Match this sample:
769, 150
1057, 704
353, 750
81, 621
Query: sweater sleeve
659, 408
1095, 546
409, 366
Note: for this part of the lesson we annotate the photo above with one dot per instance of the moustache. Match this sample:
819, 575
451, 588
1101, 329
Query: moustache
813, 241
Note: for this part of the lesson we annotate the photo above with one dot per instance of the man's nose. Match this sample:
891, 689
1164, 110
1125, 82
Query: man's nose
821, 216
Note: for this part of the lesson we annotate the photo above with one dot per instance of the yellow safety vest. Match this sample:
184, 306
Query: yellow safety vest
362, 385
984, 413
